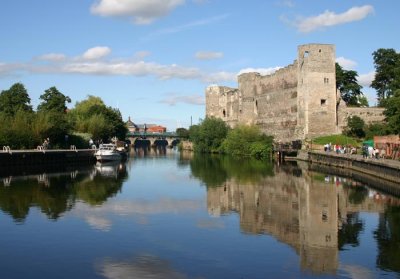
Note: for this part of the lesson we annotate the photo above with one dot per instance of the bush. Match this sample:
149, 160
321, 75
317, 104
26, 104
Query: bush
209, 135
378, 129
355, 127
247, 141
80, 140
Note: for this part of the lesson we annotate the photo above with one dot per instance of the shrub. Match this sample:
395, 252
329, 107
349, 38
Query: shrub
247, 141
209, 135
355, 127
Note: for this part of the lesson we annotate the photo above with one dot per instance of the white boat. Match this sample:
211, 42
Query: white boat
107, 152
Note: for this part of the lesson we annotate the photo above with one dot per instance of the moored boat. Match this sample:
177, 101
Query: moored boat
108, 152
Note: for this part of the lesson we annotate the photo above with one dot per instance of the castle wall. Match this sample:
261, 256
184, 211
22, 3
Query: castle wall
370, 115
296, 102
270, 102
222, 102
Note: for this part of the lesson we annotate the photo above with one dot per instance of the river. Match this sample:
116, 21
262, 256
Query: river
180, 215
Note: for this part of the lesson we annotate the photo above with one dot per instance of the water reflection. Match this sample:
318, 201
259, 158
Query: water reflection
316, 214
56, 193
180, 216
216, 170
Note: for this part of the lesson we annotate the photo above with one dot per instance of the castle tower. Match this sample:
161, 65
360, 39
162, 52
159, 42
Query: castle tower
316, 90
222, 102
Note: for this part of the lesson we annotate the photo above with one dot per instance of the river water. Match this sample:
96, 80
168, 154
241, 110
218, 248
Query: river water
178, 215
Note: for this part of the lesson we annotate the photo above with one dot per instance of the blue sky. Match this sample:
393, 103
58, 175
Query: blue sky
153, 59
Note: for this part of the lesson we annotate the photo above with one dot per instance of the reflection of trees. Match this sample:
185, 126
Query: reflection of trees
98, 190
55, 194
388, 239
349, 231
23, 194
214, 170
357, 195
209, 169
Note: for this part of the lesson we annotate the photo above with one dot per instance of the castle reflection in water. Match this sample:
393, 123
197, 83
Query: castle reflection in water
310, 212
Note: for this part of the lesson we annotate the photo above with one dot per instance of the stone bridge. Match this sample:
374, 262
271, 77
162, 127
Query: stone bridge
171, 138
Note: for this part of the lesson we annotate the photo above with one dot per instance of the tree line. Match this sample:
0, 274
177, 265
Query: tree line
213, 135
387, 85
26, 128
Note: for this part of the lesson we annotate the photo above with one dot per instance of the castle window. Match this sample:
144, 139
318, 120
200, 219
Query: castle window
326, 80
224, 113
323, 102
319, 50
306, 53
324, 216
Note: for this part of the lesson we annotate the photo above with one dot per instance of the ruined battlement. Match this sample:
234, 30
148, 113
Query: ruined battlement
298, 101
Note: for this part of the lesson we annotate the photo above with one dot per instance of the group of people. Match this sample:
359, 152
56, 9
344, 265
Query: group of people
366, 150
371, 152
340, 149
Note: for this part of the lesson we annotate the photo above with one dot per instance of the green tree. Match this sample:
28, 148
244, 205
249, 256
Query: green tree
387, 76
209, 135
247, 141
53, 100
93, 116
376, 129
392, 112
346, 83
355, 127
182, 132
363, 101
14, 99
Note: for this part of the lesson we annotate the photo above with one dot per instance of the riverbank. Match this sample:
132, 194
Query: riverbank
380, 168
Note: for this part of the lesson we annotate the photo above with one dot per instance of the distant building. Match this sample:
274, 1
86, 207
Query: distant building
132, 127
156, 129
141, 128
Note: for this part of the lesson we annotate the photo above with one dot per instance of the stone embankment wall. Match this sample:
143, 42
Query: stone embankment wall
296, 102
48, 157
383, 169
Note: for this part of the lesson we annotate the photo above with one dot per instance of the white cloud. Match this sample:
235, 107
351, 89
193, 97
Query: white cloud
190, 99
261, 71
96, 53
10, 69
140, 68
88, 64
347, 64
187, 26
329, 18
208, 55
219, 77
52, 57
141, 11
366, 79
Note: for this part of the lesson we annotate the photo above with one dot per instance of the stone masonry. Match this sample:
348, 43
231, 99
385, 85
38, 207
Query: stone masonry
299, 101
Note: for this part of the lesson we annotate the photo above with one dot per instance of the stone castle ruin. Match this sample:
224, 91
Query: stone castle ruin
299, 101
